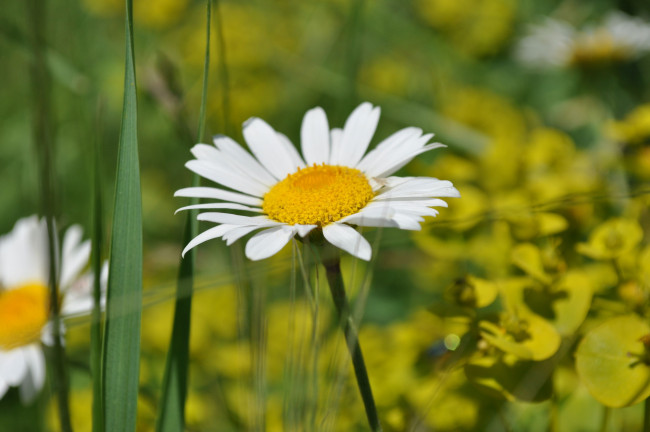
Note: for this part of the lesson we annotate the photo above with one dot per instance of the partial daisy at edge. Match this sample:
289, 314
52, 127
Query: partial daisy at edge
25, 299
335, 185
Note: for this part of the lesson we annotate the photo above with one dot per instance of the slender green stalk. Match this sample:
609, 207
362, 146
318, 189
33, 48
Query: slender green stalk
40, 81
646, 415
171, 413
335, 279
96, 263
223, 69
353, 50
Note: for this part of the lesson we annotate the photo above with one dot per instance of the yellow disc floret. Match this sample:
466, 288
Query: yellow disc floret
318, 195
23, 314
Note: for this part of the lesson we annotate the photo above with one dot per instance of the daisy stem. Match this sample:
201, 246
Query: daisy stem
337, 288
40, 80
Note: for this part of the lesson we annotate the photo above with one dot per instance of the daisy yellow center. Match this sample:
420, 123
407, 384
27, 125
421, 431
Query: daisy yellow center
23, 313
318, 195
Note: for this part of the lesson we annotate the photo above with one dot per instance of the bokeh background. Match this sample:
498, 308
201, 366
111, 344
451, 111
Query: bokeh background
547, 125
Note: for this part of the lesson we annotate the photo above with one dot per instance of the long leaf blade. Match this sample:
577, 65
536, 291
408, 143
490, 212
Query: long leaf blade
124, 297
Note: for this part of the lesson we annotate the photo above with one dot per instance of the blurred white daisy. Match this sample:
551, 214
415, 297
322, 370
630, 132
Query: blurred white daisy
25, 299
332, 189
555, 43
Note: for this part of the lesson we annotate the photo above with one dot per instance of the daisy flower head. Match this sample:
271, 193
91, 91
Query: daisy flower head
25, 299
333, 186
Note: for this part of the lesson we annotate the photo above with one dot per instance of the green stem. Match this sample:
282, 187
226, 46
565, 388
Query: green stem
335, 280
646, 415
96, 264
40, 78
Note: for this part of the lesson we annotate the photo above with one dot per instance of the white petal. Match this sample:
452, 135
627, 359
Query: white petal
35, 378
209, 234
296, 160
24, 253
370, 220
13, 366
231, 206
416, 187
372, 217
422, 201
303, 230
75, 256
3, 387
221, 174
348, 239
385, 148
269, 242
235, 234
268, 148
357, 133
315, 137
408, 222
242, 157
336, 135
229, 218
206, 152
398, 162
215, 193
406, 206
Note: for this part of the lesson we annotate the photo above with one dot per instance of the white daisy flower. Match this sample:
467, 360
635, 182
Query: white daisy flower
25, 297
332, 189
555, 43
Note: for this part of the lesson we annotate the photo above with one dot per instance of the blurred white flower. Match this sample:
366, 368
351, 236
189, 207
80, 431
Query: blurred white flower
555, 43
25, 299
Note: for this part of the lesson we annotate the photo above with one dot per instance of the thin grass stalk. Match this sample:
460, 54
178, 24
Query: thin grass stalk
96, 264
353, 51
289, 401
222, 64
171, 414
121, 344
335, 279
40, 83
258, 350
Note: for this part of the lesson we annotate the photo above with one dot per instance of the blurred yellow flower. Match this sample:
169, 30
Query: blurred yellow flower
634, 128
612, 239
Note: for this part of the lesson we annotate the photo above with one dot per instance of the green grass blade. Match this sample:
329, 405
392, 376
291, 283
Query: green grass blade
121, 347
171, 409
96, 264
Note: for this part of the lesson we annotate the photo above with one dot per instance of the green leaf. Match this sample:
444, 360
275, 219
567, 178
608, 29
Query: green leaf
612, 361
121, 352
